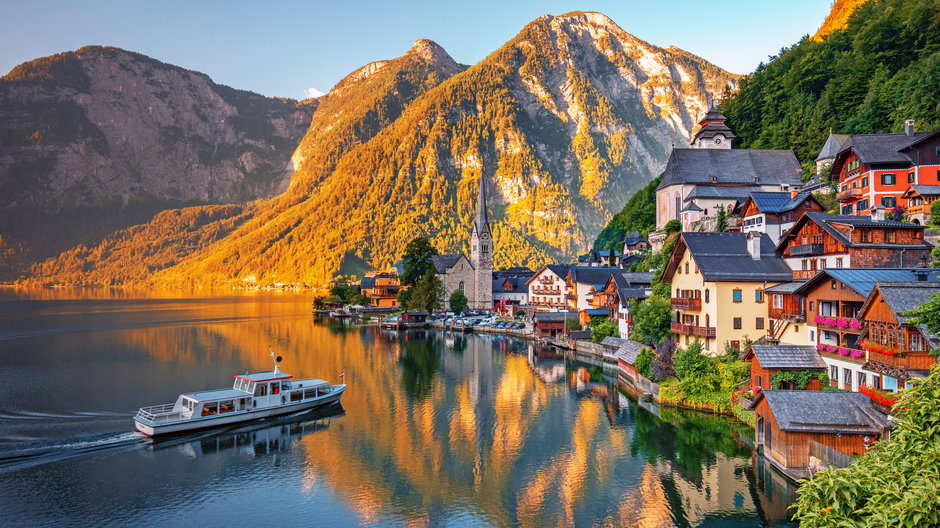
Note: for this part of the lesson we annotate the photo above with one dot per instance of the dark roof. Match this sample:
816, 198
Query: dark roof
731, 166
881, 148
902, 297
832, 146
691, 207
443, 262
926, 190
628, 351
559, 269
554, 317
367, 282
724, 257
778, 202
636, 277
788, 356
712, 129
722, 192
862, 280
515, 271
596, 311
713, 115
517, 285
626, 294
592, 274
614, 342
824, 411
633, 238
579, 334
826, 221
785, 287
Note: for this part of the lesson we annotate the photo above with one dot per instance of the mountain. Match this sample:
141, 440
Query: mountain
869, 77
100, 138
562, 123
838, 17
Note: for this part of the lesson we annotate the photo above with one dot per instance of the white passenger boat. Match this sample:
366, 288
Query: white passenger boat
254, 396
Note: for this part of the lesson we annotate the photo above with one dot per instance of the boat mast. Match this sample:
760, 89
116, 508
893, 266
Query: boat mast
277, 361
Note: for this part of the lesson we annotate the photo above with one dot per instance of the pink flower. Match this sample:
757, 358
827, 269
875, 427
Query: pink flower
820, 347
831, 349
855, 324
857, 353
842, 323
819, 319
843, 351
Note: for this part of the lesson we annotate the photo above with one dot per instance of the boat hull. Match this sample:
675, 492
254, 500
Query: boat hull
152, 429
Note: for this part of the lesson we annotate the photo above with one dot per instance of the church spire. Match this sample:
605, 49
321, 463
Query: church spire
481, 223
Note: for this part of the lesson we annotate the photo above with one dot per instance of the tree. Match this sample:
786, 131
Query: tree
427, 295
927, 314
893, 484
603, 328
572, 323
359, 299
651, 320
721, 221
333, 300
643, 361
672, 226
417, 261
663, 363
458, 301
404, 298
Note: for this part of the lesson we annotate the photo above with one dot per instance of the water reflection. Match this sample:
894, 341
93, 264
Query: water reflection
438, 428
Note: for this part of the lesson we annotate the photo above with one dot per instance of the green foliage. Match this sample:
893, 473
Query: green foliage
800, 378
417, 261
333, 300
650, 320
520, 313
644, 361
572, 323
458, 301
672, 226
896, 483
868, 78
721, 221
935, 215
927, 314
427, 295
690, 361
731, 374
602, 329
639, 214
404, 298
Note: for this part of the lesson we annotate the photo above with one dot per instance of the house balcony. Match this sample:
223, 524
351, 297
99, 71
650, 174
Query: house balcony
790, 314
839, 324
852, 355
692, 330
545, 291
683, 303
804, 274
918, 209
902, 360
849, 195
806, 249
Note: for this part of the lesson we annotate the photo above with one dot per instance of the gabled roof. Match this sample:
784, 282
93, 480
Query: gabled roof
628, 351
779, 202
724, 257
731, 167
829, 221
560, 270
614, 342
786, 357
923, 190
691, 207
367, 282
516, 285
823, 411
862, 280
555, 317
443, 262
785, 287
592, 274
902, 297
880, 148
596, 311
832, 146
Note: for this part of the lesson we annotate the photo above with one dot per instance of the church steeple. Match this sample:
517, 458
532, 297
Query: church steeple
481, 254
481, 222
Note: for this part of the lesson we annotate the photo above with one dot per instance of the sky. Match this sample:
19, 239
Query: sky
297, 49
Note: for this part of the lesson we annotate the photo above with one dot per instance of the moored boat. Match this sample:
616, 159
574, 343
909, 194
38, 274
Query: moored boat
253, 396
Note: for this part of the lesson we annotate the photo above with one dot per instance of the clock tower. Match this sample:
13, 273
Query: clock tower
712, 132
481, 255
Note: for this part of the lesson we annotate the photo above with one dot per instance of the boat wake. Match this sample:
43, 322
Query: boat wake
33, 455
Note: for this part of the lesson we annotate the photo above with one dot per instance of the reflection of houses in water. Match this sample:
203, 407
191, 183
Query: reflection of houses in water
550, 370
722, 491
774, 492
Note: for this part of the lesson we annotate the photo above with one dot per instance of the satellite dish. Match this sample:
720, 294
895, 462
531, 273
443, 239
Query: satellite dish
278, 359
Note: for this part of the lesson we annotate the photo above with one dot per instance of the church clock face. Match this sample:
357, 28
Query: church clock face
485, 236
718, 140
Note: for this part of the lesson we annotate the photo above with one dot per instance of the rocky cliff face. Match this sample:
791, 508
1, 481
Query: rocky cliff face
102, 129
563, 123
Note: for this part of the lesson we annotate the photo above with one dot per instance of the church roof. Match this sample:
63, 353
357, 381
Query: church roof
443, 262
731, 167
481, 222
832, 146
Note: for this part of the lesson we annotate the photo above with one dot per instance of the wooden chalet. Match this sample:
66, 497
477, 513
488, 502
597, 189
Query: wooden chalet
767, 360
552, 324
820, 241
795, 426
898, 350
919, 199
776, 212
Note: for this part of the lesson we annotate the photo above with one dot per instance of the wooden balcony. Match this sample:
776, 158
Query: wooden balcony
845, 357
849, 195
804, 274
545, 291
683, 303
792, 314
917, 209
905, 360
692, 330
806, 249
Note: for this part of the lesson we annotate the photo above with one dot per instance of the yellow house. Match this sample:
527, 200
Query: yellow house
717, 282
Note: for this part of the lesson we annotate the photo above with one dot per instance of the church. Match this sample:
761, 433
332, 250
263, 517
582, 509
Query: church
473, 276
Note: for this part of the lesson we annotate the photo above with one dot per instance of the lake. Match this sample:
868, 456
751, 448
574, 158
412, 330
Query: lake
435, 429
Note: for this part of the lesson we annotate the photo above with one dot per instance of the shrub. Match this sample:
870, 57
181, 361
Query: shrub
643, 361
663, 363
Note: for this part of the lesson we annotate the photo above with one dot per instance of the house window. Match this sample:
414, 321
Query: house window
832, 284
706, 295
866, 235
778, 301
889, 237
889, 202
759, 296
686, 267
865, 181
862, 205
838, 262
936, 151
760, 381
811, 305
759, 323
888, 179
910, 177
737, 295
803, 263
834, 373
737, 323
917, 342
847, 378
862, 378
847, 209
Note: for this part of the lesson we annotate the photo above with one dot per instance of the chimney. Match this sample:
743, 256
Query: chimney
753, 244
909, 127
878, 213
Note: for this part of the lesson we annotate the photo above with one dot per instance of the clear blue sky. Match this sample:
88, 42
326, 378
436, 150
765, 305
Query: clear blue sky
284, 48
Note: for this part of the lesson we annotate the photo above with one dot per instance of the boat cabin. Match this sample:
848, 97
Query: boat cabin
250, 391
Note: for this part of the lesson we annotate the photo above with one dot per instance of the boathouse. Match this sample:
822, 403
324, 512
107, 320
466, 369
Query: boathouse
768, 360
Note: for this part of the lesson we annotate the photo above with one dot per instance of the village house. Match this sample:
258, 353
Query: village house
717, 282
381, 288
775, 212
713, 176
830, 149
896, 349
819, 241
620, 289
552, 324
600, 257
510, 291
548, 288
795, 426
877, 169
918, 199
583, 282
626, 354
767, 360
634, 244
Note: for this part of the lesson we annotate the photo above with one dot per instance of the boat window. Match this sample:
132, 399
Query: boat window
276, 388
310, 393
296, 395
226, 406
261, 389
188, 404
209, 409
285, 385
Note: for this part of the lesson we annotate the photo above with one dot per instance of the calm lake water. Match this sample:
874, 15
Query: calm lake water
435, 429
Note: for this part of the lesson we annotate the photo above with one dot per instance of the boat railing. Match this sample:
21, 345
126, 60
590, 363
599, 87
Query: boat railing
160, 413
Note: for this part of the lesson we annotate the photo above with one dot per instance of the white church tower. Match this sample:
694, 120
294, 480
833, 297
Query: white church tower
481, 255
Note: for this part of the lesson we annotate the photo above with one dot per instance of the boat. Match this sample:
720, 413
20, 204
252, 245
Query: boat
340, 313
254, 396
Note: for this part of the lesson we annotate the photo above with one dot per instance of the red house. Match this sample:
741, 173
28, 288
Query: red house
767, 360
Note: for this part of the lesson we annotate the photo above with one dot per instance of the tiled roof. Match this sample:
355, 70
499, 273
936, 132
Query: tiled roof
579, 334
628, 351
902, 297
517, 285
786, 287
862, 280
881, 148
824, 411
612, 341
832, 146
731, 167
592, 274
443, 262
721, 192
724, 257
367, 282
554, 317
788, 356
926, 190
826, 221
777, 202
